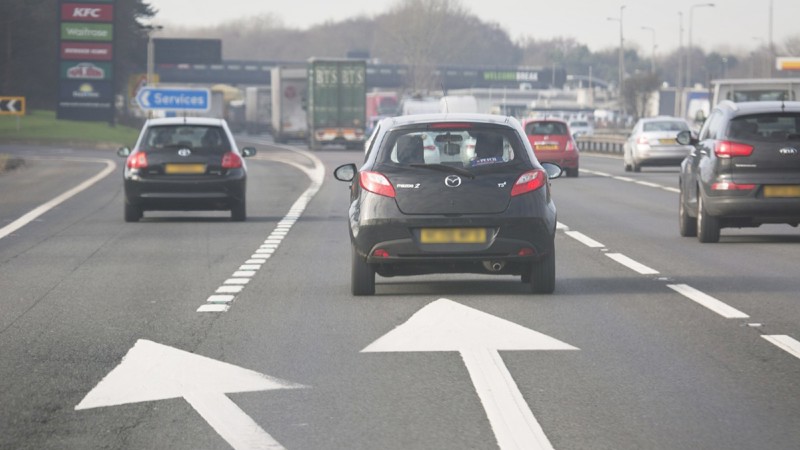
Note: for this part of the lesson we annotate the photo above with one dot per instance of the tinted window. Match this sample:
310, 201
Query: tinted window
766, 127
666, 125
211, 138
761, 95
457, 147
545, 127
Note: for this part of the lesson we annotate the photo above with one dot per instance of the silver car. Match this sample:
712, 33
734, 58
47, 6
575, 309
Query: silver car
653, 142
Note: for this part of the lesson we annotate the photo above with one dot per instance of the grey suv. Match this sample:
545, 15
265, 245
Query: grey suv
744, 169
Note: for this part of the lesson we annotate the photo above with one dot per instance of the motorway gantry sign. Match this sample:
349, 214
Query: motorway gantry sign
12, 106
174, 99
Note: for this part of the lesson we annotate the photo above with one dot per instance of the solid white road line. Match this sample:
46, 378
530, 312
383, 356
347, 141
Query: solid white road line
708, 301
35, 213
786, 343
631, 264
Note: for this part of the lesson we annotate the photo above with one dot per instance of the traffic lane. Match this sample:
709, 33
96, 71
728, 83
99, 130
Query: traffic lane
96, 285
650, 372
750, 269
43, 176
611, 164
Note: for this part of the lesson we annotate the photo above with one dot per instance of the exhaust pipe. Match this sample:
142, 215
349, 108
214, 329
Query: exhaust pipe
494, 266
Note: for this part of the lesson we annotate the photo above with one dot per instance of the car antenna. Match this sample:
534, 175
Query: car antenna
444, 97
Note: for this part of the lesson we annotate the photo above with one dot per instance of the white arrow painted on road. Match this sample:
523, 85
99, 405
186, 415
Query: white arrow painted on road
447, 326
152, 371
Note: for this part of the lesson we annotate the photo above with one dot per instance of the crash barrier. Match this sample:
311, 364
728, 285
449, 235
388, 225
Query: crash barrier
601, 143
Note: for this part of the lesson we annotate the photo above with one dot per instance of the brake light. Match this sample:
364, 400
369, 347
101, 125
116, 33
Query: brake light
529, 182
376, 183
570, 145
231, 160
729, 186
437, 126
727, 149
643, 140
380, 253
137, 160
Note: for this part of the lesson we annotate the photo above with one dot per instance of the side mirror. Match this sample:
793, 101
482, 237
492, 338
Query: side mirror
685, 138
553, 170
346, 172
248, 151
123, 152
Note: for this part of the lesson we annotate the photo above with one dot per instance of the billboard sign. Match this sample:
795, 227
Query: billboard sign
174, 99
86, 51
87, 12
85, 70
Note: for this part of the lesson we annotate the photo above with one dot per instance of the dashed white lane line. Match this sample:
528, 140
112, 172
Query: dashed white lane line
583, 239
708, 301
632, 180
631, 264
225, 294
785, 343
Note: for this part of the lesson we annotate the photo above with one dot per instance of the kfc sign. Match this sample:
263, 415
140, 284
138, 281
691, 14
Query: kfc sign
87, 12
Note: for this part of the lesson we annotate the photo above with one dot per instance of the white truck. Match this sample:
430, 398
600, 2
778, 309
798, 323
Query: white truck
289, 93
257, 109
755, 89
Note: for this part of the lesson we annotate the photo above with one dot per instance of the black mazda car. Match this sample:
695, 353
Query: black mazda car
187, 163
743, 171
451, 193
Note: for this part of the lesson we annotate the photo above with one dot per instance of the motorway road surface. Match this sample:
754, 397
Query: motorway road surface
650, 340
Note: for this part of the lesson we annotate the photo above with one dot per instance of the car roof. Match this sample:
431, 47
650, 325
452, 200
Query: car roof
759, 107
663, 119
450, 117
185, 120
544, 119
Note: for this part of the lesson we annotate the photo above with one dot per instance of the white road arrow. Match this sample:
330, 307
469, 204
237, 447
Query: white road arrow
447, 326
152, 371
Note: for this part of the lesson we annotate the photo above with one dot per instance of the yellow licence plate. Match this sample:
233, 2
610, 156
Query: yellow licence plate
781, 191
183, 169
667, 141
452, 235
547, 147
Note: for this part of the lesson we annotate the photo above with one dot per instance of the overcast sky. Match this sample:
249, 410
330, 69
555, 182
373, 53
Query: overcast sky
732, 25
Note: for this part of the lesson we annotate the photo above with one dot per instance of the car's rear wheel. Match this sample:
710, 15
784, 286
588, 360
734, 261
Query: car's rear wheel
362, 275
686, 223
572, 173
707, 226
132, 213
239, 211
543, 274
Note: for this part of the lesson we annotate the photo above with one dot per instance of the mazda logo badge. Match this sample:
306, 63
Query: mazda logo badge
452, 181
788, 151
184, 152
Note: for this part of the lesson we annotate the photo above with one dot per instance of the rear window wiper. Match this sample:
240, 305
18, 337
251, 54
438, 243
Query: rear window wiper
446, 168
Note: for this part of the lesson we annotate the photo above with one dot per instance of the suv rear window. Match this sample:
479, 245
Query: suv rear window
458, 147
665, 125
211, 138
545, 127
766, 127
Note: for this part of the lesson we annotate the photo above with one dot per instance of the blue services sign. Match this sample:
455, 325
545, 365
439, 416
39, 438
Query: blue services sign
174, 99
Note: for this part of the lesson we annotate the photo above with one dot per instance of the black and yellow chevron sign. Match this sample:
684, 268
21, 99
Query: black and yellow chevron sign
12, 106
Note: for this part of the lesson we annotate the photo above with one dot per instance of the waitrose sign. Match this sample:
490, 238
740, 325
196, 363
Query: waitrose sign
87, 31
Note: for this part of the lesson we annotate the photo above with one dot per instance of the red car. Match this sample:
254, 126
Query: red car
552, 142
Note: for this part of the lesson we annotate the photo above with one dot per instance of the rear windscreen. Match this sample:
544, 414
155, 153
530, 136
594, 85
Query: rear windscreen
667, 125
207, 137
545, 127
457, 147
766, 127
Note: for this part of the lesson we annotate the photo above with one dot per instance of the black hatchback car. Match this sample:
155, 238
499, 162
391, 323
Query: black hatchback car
451, 193
744, 169
185, 164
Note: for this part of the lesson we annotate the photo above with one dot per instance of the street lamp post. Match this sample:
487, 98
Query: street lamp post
150, 51
689, 52
679, 77
653, 57
621, 58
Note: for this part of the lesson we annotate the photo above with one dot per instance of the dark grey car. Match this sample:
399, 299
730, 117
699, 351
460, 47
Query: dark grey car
744, 169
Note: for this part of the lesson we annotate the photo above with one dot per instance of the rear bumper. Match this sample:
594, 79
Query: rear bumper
565, 160
753, 209
186, 194
661, 156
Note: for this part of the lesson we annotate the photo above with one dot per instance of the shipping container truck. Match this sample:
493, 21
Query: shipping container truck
258, 109
289, 92
336, 110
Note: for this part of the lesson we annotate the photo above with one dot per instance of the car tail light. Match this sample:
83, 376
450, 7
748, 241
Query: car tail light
528, 182
376, 183
437, 126
570, 145
380, 253
727, 149
643, 140
526, 251
137, 160
729, 186
231, 160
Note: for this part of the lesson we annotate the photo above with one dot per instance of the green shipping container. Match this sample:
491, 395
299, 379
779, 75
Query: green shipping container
337, 102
